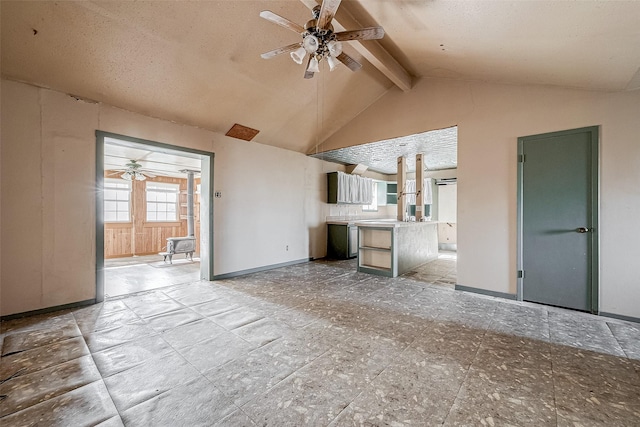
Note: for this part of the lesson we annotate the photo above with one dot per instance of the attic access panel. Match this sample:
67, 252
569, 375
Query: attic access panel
242, 132
440, 149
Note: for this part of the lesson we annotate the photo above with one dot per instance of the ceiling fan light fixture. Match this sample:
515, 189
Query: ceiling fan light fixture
298, 55
127, 176
335, 48
313, 65
310, 43
333, 63
139, 176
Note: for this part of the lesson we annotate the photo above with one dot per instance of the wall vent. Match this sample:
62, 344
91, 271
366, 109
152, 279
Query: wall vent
242, 132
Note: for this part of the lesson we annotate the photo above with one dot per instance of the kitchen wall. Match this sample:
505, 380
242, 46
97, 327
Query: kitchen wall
272, 208
490, 118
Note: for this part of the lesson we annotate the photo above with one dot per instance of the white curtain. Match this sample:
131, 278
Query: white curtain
354, 189
427, 191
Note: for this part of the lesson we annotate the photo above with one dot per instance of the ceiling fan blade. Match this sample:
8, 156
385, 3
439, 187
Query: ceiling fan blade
308, 74
327, 12
351, 63
280, 50
150, 175
283, 22
371, 33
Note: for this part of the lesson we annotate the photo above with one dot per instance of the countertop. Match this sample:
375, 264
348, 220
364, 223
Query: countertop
383, 222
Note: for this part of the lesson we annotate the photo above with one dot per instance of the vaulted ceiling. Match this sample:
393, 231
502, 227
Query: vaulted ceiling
198, 63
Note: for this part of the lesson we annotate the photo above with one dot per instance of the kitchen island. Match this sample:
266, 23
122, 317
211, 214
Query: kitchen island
391, 248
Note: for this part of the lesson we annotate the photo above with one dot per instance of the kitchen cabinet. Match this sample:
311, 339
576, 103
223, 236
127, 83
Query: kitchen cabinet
392, 248
342, 241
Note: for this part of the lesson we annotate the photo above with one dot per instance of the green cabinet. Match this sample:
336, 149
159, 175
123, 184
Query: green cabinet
332, 187
342, 241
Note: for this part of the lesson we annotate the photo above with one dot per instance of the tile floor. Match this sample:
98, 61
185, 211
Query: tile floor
124, 276
318, 344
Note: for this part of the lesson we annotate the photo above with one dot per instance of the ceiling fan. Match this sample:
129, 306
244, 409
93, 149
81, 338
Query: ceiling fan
319, 40
133, 171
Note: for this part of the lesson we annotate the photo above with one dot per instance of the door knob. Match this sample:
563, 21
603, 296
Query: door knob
582, 230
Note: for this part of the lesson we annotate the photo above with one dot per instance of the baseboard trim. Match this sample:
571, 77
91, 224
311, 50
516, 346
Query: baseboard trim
621, 317
259, 269
486, 292
49, 309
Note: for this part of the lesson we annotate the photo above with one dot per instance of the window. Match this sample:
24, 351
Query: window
117, 200
162, 201
373, 207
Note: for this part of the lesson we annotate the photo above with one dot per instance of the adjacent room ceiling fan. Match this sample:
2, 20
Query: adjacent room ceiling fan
319, 40
133, 171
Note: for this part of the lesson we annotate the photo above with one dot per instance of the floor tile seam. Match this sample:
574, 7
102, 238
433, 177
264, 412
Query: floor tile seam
147, 360
464, 380
48, 367
286, 377
112, 327
618, 342
188, 378
73, 313
46, 345
246, 414
203, 376
152, 332
248, 342
346, 406
101, 376
146, 319
58, 396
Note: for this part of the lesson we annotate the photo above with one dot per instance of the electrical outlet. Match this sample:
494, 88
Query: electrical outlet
286, 247
218, 194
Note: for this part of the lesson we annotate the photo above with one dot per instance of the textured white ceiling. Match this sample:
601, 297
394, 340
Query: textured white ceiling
440, 149
199, 63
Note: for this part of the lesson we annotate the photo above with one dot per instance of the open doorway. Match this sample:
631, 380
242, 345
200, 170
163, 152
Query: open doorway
379, 160
153, 215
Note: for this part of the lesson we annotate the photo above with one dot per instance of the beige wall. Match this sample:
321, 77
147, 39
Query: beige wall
271, 198
490, 118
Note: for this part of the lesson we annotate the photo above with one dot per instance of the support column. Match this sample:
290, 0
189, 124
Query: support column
419, 186
402, 188
190, 202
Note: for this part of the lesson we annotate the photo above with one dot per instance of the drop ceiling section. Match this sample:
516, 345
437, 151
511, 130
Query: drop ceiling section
440, 148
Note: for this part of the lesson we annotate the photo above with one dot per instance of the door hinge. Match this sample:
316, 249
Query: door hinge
520, 158
520, 274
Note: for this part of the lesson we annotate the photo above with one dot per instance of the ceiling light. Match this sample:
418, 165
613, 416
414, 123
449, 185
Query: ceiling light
333, 63
298, 55
313, 65
335, 48
310, 43
131, 175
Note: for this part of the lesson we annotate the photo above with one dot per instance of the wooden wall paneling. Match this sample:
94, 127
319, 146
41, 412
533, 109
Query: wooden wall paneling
145, 238
117, 240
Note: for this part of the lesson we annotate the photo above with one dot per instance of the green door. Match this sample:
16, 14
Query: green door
558, 218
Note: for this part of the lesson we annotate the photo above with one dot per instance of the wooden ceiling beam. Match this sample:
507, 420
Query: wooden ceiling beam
371, 50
